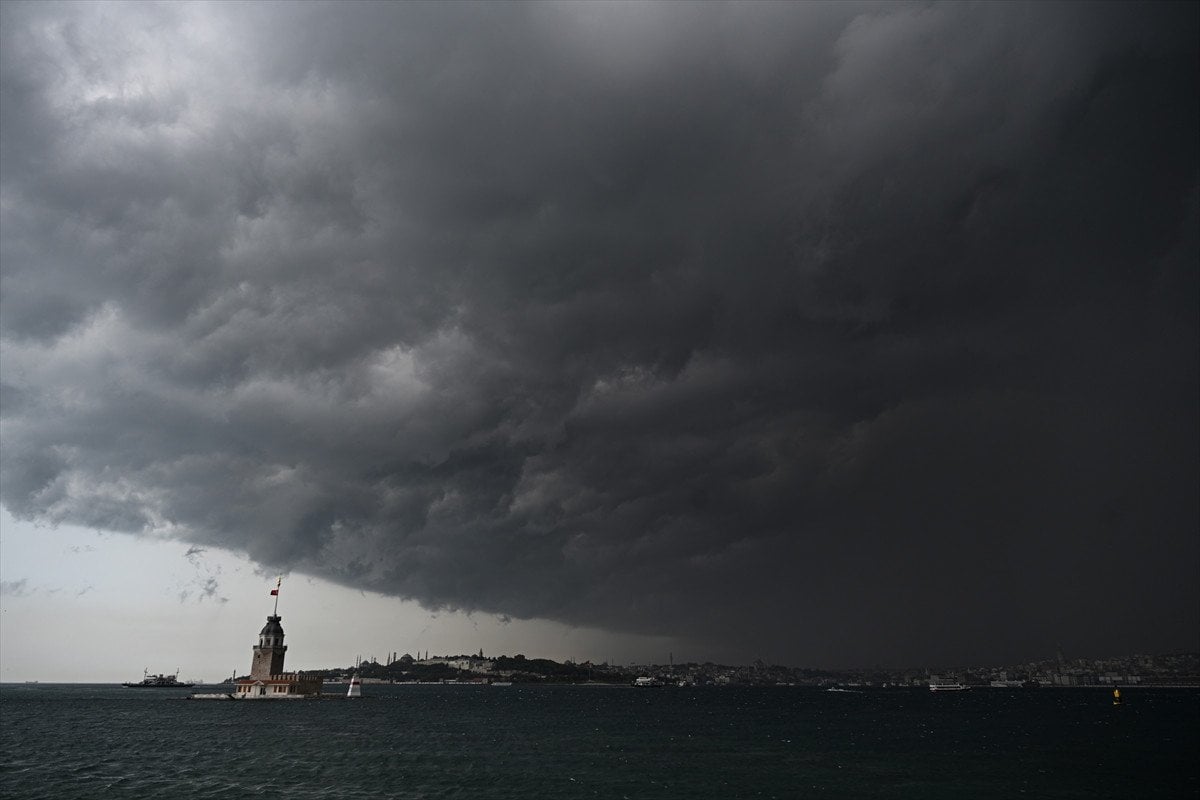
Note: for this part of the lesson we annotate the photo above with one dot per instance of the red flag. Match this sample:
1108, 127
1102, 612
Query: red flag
275, 591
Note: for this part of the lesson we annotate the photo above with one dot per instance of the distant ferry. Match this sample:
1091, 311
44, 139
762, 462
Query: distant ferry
943, 686
159, 682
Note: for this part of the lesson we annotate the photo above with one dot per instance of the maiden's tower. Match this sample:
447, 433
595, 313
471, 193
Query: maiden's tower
267, 679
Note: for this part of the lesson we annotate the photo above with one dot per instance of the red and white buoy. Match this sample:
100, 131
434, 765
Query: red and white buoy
355, 689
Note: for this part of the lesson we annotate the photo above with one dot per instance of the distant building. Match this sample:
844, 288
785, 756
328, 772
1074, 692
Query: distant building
267, 679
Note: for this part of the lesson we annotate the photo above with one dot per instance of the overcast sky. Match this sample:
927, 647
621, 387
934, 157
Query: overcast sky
841, 334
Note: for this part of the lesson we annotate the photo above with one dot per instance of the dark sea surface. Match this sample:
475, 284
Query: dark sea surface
78, 741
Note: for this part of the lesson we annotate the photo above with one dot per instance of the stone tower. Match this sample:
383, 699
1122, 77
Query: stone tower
268, 653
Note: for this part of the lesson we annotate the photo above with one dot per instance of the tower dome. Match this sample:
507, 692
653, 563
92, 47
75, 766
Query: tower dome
272, 633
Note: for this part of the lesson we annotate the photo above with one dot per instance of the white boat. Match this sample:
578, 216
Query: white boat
646, 682
946, 686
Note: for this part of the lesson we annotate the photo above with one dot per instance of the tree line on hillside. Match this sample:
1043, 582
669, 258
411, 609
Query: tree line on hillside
516, 668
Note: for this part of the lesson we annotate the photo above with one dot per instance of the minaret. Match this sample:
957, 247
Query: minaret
268, 653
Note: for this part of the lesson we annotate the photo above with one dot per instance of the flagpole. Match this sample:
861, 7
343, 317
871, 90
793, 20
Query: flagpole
275, 613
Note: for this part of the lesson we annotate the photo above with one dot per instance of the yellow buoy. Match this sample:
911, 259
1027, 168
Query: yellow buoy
1116, 697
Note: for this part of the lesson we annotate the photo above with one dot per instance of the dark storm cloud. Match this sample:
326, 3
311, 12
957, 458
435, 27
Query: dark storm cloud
827, 333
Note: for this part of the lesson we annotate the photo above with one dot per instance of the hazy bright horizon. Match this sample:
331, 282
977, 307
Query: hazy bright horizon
104, 607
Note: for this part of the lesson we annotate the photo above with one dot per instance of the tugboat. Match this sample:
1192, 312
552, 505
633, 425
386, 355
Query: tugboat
159, 682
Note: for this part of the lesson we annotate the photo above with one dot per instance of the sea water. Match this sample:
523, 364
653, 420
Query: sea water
451, 741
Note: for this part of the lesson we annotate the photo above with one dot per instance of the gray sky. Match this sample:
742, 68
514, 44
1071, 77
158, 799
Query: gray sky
838, 333
132, 603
